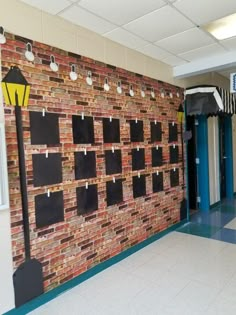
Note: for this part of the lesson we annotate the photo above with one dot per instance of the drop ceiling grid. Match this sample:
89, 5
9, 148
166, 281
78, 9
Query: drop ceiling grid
166, 30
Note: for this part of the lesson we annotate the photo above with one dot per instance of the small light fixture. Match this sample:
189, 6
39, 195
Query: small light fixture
73, 74
171, 95
152, 93
142, 91
15, 88
119, 88
177, 94
89, 78
2, 36
162, 93
53, 65
222, 28
131, 91
28, 53
106, 85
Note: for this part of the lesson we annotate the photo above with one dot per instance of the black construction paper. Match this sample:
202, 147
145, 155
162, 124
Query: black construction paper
47, 170
49, 210
136, 131
139, 186
83, 129
174, 177
173, 132
138, 159
85, 165
157, 182
174, 154
113, 162
114, 192
44, 129
111, 130
156, 133
87, 199
157, 156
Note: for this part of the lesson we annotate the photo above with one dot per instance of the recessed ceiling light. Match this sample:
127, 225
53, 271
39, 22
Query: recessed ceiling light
223, 28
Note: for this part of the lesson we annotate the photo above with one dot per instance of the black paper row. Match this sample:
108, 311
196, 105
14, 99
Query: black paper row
47, 169
45, 130
50, 209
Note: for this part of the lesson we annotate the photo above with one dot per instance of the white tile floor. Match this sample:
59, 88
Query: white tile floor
178, 274
231, 224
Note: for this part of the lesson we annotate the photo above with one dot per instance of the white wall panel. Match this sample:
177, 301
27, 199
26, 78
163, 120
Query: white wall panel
213, 153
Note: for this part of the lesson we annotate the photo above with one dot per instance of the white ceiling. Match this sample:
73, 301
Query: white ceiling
167, 30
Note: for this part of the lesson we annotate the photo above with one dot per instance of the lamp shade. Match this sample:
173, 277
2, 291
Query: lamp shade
180, 113
15, 88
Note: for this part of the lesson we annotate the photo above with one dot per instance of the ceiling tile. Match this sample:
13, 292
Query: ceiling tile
203, 52
121, 11
174, 61
125, 38
52, 6
204, 11
229, 43
185, 41
86, 19
154, 52
159, 24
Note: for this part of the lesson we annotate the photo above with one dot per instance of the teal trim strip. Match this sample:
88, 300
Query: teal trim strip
186, 161
215, 204
203, 166
48, 296
229, 157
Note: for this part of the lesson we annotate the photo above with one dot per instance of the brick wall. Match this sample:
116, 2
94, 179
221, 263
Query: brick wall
68, 248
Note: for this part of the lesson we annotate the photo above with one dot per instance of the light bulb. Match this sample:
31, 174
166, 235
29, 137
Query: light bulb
73, 74
2, 36
53, 65
106, 85
89, 78
131, 91
28, 53
119, 88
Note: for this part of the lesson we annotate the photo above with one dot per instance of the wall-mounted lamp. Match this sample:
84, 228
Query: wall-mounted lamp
89, 78
131, 91
152, 93
163, 93
177, 94
142, 91
119, 88
53, 65
73, 74
28, 53
2, 35
106, 85
171, 95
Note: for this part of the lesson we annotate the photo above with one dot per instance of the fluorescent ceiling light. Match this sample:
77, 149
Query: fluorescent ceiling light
222, 28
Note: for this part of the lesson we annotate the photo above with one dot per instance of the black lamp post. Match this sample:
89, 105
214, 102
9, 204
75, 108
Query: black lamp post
28, 278
16, 91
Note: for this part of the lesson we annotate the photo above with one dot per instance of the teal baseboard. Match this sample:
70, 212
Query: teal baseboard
48, 296
215, 204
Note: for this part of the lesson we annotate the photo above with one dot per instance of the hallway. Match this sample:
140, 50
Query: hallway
190, 271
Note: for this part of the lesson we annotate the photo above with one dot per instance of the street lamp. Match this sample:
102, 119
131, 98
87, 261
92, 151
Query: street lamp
28, 277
